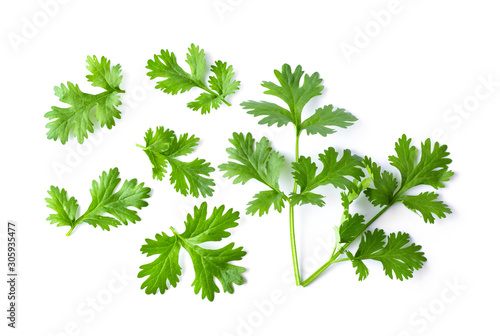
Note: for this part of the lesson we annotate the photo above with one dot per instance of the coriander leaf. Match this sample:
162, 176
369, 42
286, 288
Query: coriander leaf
208, 264
399, 258
307, 198
335, 171
165, 268
431, 169
196, 60
290, 90
223, 82
205, 102
304, 172
426, 204
264, 200
163, 149
325, 117
176, 79
385, 185
218, 87
105, 200
351, 227
66, 209
193, 174
75, 119
273, 113
256, 161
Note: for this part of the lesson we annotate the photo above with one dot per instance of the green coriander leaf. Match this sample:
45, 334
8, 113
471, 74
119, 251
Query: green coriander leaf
176, 79
222, 82
190, 176
66, 209
163, 149
432, 168
273, 113
290, 90
256, 161
165, 268
385, 185
307, 198
351, 227
326, 117
264, 200
335, 171
399, 258
105, 200
426, 204
208, 264
205, 102
75, 119
196, 60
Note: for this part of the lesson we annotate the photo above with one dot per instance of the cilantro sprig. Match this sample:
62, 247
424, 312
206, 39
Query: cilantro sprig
399, 258
175, 79
105, 200
264, 164
353, 175
163, 149
209, 264
77, 118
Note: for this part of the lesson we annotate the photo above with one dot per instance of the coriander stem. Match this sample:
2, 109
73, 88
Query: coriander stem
292, 221
333, 259
204, 87
71, 230
140, 146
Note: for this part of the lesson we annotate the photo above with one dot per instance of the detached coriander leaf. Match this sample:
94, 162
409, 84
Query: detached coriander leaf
264, 200
75, 119
165, 268
176, 79
425, 203
326, 117
190, 176
432, 168
66, 208
218, 87
196, 60
105, 200
335, 171
385, 185
117, 204
222, 82
351, 227
208, 264
163, 149
399, 258
205, 102
290, 90
256, 161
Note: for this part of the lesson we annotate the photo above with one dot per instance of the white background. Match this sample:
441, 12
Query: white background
427, 58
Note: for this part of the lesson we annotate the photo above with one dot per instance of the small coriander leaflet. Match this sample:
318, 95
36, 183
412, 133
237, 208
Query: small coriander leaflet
76, 119
219, 86
105, 200
163, 149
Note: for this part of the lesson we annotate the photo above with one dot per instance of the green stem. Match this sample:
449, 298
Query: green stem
71, 230
292, 221
333, 259
204, 87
